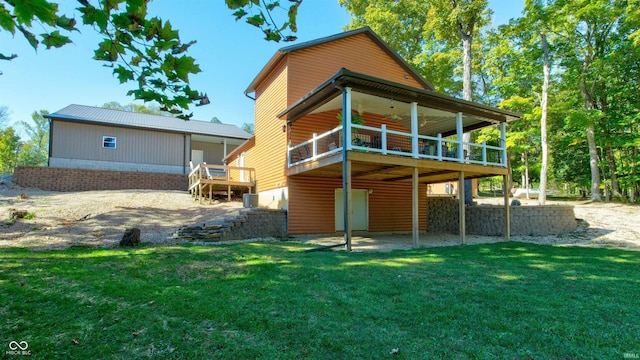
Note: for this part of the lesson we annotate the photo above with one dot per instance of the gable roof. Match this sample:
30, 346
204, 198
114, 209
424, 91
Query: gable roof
280, 54
98, 115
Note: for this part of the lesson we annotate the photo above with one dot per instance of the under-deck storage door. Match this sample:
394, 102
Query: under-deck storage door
360, 206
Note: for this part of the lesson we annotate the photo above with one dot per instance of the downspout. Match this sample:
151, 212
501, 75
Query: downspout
247, 95
344, 193
50, 138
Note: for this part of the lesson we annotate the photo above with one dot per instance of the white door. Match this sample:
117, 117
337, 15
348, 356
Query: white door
197, 157
359, 206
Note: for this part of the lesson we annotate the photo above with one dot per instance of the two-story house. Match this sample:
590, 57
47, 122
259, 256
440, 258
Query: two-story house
398, 136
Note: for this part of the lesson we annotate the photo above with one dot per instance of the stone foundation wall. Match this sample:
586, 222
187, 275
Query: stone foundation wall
489, 219
67, 179
248, 224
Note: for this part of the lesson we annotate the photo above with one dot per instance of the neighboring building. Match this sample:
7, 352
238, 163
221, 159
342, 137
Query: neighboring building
88, 137
307, 162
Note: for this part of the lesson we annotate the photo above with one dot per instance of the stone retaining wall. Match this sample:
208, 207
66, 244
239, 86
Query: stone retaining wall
248, 224
67, 179
489, 219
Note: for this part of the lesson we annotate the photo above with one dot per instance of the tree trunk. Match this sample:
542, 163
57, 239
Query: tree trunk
593, 164
467, 94
542, 195
591, 137
611, 162
467, 89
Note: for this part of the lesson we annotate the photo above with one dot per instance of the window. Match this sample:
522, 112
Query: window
109, 142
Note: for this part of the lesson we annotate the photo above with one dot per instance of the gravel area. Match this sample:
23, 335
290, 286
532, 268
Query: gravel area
99, 218
600, 225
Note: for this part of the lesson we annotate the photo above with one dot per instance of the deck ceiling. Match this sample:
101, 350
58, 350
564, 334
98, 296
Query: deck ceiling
390, 168
369, 94
430, 121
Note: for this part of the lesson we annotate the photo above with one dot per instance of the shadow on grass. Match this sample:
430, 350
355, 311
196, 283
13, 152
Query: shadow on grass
505, 300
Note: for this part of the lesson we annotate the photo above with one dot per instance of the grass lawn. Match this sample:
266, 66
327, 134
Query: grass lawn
273, 301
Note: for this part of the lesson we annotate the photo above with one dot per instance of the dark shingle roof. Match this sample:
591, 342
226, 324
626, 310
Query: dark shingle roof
92, 114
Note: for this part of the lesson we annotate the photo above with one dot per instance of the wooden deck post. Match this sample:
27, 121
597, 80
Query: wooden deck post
507, 208
415, 208
462, 216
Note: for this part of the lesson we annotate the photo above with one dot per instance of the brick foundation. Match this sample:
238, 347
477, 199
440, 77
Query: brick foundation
489, 219
66, 179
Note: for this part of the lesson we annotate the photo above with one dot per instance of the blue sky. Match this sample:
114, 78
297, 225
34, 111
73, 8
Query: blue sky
230, 54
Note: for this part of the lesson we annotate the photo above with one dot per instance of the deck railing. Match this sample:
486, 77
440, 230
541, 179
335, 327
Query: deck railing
391, 142
221, 174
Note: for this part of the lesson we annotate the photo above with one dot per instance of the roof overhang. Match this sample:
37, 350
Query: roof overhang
364, 84
203, 136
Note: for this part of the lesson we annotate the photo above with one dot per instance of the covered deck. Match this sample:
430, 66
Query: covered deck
404, 135
205, 180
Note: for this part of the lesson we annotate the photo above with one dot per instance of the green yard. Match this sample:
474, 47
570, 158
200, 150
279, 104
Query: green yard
273, 301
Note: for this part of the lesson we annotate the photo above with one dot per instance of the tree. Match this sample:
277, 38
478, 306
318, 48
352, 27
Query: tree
9, 144
145, 109
594, 31
140, 48
4, 115
248, 127
215, 120
35, 151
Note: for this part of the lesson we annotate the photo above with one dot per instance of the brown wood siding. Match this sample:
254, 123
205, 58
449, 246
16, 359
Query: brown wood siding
269, 155
84, 141
310, 67
312, 208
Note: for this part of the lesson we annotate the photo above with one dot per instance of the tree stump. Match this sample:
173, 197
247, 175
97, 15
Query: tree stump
131, 237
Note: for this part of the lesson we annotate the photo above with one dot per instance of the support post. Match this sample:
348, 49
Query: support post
459, 133
503, 143
383, 136
414, 130
224, 150
346, 118
507, 208
415, 209
346, 165
439, 149
462, 215
314, 147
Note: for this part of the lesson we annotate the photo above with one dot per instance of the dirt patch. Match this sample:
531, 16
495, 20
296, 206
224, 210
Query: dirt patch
99, 218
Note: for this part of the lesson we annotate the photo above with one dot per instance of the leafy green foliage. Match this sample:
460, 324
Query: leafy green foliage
9, 143
140, 48
35, 151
